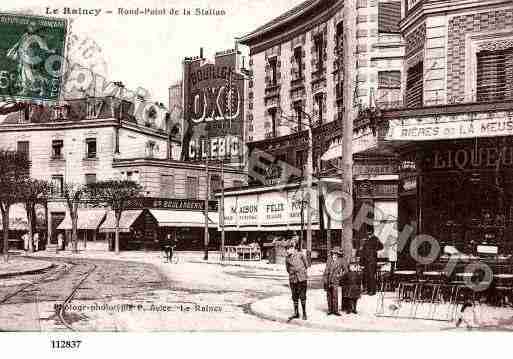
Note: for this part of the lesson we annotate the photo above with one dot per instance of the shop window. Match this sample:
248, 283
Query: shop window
57, 183
415, 86
215, 185
167, 186
495, 75
192, 188
90, 178
57, 147
91, 148
389, 15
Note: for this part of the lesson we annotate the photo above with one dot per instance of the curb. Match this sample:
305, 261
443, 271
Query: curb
27, 272
303, 323
234, 265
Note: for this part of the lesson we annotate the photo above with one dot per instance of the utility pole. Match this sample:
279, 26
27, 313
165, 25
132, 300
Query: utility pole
349, 45
309, 174
205, 257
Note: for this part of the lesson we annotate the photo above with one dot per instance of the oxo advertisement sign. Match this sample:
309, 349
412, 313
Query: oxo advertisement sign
215, 106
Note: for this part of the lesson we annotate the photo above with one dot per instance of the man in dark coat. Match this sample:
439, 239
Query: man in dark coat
351, 290
297, 265
369, 261
335, 268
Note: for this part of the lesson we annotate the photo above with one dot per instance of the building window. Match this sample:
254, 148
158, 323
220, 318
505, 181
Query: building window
57, 146
389, 15
57, 182
273, 66
415, 86
274, 124
23, 147
495, 75
319, 103
319, 51
298, 107
90, 178
339, 40
298, 59
150, 149
215, 185
389, 89
91, 148
167, 186
192, 188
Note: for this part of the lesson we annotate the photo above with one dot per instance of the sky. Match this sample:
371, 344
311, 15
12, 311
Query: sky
146, 50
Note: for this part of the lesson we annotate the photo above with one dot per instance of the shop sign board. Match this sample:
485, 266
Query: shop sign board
447, 128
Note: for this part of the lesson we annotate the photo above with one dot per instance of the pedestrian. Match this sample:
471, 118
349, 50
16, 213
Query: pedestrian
60, 241
25, 239
369, 261
297, 266
335, 268
351, 284
36, 241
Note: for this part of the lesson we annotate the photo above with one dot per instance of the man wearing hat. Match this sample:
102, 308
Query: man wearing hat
297, 265
335, 268
369, 261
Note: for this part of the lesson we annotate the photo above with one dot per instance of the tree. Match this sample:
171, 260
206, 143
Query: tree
32, 192
14, 168
115, 194
73, 194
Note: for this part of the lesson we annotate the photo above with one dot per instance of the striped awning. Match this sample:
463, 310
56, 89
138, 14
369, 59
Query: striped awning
127, 219
87, 219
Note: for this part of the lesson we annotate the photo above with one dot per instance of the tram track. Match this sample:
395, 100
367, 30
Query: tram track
60, 272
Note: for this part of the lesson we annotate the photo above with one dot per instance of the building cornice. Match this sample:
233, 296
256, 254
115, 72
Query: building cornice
134, 162
437, 7
289, 28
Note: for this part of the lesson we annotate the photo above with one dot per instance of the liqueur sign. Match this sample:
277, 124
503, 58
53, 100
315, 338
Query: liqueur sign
413, 130
31, 57
214, 96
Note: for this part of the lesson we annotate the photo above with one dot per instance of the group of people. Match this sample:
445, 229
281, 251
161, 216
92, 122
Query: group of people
338, 273
36, 242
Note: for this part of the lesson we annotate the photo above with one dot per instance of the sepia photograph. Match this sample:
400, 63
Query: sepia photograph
240, 166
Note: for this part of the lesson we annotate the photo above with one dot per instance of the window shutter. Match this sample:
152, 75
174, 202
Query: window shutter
389, 15
415, 86
495, 75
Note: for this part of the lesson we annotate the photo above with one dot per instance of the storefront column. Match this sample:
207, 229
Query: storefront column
48, 226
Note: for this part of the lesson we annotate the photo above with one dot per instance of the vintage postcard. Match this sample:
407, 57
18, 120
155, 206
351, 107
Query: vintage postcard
256, 166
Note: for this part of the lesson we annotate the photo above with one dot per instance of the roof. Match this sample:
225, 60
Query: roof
288, 15
87, 219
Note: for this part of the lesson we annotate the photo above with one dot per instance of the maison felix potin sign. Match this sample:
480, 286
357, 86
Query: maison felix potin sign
214, 96
428, 130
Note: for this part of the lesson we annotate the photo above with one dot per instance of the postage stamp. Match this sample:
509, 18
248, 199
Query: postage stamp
32, 50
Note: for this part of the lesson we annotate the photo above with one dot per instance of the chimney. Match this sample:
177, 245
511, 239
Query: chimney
201, 53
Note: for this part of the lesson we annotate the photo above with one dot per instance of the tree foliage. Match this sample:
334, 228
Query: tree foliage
14, 169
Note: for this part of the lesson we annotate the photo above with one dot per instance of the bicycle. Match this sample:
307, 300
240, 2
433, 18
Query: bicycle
167, 254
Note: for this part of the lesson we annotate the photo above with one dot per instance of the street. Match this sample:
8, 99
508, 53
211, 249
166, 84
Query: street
121, 295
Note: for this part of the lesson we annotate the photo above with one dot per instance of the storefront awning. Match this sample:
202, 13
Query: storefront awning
87, 219
172, 218
128, 218
334, 152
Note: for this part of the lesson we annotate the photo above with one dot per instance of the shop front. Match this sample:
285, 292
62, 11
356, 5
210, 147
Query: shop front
456, 184
273, 213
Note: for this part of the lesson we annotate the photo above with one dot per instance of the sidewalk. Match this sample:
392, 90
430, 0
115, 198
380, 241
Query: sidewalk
19, 265
279, 308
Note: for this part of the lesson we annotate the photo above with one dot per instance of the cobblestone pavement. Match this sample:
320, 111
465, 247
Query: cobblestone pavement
122, 295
